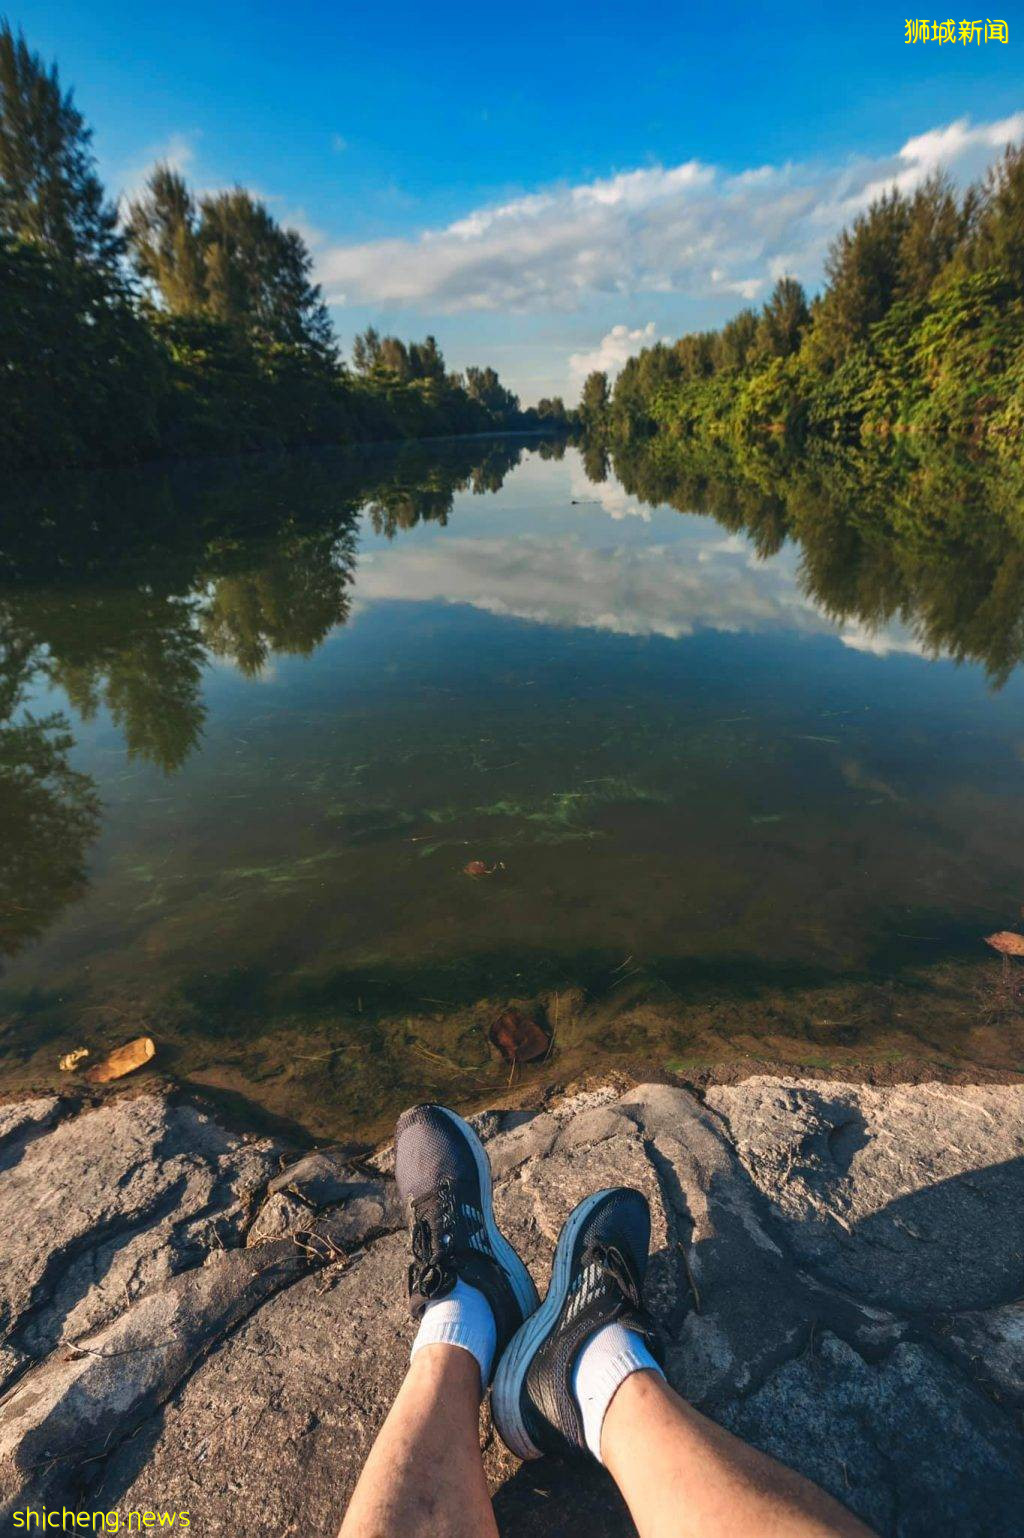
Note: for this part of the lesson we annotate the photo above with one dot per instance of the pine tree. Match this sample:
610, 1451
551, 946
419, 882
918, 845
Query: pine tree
164, 239
258, 274
783, 320
50, 194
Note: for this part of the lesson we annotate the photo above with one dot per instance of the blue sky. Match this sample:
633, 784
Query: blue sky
543, 187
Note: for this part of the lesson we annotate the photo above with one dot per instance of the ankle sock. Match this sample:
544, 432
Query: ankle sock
463, 1318
608, 1357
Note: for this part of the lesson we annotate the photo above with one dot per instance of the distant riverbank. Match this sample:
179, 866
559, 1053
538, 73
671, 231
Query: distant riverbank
919, 330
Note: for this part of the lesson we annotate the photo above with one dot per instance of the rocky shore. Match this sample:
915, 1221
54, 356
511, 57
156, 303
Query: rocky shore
199, 1320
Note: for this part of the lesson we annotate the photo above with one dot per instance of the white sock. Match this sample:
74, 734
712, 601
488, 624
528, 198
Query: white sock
463, 1318
609, 1356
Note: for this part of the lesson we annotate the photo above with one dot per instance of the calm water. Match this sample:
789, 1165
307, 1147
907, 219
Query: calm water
746, 801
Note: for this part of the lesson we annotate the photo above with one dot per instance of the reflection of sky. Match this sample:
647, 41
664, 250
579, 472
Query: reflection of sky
606, 563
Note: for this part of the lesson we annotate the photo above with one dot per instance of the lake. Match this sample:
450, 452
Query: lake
739, 745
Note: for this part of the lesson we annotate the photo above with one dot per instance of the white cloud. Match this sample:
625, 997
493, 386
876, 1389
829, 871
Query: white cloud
655, 589
688, 229
611, 352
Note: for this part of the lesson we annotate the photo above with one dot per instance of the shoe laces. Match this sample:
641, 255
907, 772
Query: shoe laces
616, 1270
432, 1272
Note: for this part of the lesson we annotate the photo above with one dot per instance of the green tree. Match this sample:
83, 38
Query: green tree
999, 239
258, 274
783, 320
366, 351
229, 260
164, 237
864, 278
50, 194
595, 397
937, 224
484, 386
736, 340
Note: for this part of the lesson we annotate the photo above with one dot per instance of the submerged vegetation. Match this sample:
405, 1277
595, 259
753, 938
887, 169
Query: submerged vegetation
188, 325
919, 329
706, 855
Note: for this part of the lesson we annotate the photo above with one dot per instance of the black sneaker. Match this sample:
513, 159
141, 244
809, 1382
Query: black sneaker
444, 1178
597, 1276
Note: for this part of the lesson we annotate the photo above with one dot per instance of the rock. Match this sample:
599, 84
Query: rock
319, 1178
990, 1346
909, 1197
280, 1216
21, 1123
903, 1442
78, 1402
529, 1139
166, 1348
113, 1201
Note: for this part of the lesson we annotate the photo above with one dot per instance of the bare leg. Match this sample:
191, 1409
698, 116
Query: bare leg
683, 1476
424, 1477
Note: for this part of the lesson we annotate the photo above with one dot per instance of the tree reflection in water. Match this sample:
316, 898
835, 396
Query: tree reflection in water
121, 589
931, 537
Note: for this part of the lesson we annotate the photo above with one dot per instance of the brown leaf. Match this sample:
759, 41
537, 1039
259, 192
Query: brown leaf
122, 1060
1006, 942
517, 1038
476, 868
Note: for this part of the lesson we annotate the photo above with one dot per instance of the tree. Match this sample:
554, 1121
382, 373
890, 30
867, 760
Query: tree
484, 387
163, 233
783, 320
695, 354
937, 225
999, 240
735, 342
258, 274
864, 278
50, 194
366, 351
230, 260
426, 361
595, 397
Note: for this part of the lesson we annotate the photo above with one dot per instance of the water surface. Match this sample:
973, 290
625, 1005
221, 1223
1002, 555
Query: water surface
744, 746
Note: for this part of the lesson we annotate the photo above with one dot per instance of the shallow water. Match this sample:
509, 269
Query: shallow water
735, 811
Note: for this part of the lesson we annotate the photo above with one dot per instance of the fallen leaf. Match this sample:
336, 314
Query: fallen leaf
1006, 942
476, 868
518, 1038
70, 1061
122, 1060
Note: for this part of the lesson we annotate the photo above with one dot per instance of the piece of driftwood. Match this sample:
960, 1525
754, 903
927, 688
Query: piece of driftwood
122, 1060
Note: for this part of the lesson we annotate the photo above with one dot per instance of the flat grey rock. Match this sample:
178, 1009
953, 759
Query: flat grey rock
837, 1272
108, 1204
910, 1196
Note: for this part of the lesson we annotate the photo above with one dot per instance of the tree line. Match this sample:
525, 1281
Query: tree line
180, 324
919, 328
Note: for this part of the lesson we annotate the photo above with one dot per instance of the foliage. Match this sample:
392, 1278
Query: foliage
919, 329
925, 533
198, 328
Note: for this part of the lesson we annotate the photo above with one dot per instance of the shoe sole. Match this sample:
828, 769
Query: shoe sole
520, 1279
507, 1392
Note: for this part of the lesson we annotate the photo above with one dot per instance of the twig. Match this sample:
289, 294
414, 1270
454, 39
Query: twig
419, 1047
681, 1247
